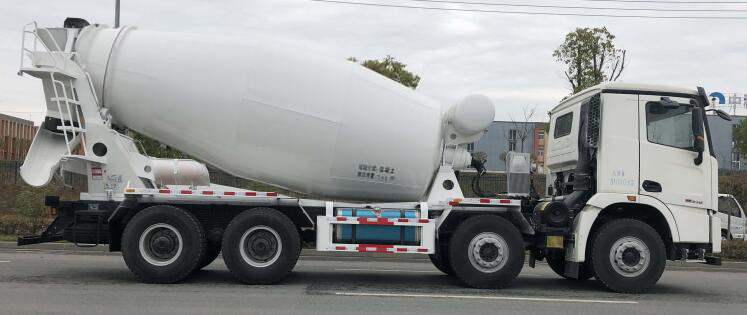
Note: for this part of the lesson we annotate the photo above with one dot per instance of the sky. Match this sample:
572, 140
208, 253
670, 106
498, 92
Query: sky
507, 57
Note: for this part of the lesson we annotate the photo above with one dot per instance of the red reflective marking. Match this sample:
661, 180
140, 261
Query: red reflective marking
484, 200
342, 218
422, 250
402, 249
454, 203
272, 194
376, 221
504, 201
403, 220
229, 193
340, 248
367, 248
207, 192
186, 192
424, 221
164, 191
250, 193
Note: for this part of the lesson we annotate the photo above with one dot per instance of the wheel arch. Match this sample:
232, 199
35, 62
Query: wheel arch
604, 207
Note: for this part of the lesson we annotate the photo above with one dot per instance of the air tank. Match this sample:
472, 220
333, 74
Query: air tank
267, 111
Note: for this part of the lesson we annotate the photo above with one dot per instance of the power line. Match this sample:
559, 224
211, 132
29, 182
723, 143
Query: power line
535, 13
670, 2
577, 7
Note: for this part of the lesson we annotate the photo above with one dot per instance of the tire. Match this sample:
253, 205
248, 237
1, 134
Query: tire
163, 244
627, 256
276, 241
441, 260
486, 251
558, 266
211, 253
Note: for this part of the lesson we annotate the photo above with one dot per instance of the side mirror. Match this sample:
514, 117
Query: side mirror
698, 134
721, 114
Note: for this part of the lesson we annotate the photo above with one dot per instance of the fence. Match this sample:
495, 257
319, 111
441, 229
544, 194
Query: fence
10, 174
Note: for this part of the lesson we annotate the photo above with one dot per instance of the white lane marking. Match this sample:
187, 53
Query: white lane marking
2, 261
706, 268
414, 271
385, 270
515, 298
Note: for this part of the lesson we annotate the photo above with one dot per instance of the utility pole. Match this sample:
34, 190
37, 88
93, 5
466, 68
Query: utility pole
116, 13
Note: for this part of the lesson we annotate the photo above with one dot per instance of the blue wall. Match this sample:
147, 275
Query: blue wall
495, 142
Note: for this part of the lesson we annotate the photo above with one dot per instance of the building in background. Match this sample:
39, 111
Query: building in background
504, 136
538, 149
16, 135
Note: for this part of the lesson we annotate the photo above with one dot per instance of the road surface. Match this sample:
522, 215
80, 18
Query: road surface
67, 282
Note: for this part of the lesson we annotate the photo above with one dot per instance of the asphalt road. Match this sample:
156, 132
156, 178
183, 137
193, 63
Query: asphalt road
65, 282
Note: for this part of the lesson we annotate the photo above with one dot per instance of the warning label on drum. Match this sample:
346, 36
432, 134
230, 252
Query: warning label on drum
381, 173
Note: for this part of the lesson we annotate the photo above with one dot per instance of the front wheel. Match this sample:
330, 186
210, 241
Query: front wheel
628, 256
261, 246
486, 251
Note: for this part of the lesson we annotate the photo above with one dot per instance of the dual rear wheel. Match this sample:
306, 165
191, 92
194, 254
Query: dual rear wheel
164, 244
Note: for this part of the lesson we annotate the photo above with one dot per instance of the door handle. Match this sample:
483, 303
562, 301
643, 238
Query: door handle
651, 186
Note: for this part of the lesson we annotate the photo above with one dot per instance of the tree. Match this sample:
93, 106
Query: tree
740, 137
591, 57
156, 149
393, 69
521, 129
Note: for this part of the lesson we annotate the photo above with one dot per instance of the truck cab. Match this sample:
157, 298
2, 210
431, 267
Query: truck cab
732, 217
634, 166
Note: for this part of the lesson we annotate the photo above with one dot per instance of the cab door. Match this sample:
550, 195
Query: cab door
668, 170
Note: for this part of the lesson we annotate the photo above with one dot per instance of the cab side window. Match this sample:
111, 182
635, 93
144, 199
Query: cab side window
563, 125
669, 126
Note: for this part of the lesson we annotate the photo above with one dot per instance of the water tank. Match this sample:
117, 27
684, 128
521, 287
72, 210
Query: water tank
267, 111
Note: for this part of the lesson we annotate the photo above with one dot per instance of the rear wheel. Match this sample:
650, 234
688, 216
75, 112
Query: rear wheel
261, 246
211, 253
162, 244
557, 264
628, 256
486, 251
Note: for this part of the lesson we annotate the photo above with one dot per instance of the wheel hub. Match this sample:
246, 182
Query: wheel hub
630, 256
488, 252
160, 244
260, 246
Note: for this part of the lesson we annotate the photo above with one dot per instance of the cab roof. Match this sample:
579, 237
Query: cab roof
622, 87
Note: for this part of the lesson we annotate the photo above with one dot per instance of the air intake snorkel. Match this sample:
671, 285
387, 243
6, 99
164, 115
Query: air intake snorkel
588, 136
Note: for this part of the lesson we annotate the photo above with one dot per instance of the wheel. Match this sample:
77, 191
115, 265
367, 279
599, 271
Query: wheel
486, 251
627, 256
441, 260
211, 253
557, 264
162, 244
261, 246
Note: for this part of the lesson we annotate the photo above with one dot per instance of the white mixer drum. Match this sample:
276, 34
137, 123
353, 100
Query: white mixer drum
269, 112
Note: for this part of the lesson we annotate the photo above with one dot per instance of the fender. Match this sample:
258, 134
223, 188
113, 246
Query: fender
585, 219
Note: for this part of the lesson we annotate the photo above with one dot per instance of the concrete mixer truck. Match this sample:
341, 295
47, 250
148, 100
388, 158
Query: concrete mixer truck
632, 179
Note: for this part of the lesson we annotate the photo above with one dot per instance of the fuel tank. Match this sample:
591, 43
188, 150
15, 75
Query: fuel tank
267, 111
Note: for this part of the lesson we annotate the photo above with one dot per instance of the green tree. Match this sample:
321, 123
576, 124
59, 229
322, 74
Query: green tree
590, 57
740, 137
393, 69
156, 149
30, 204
